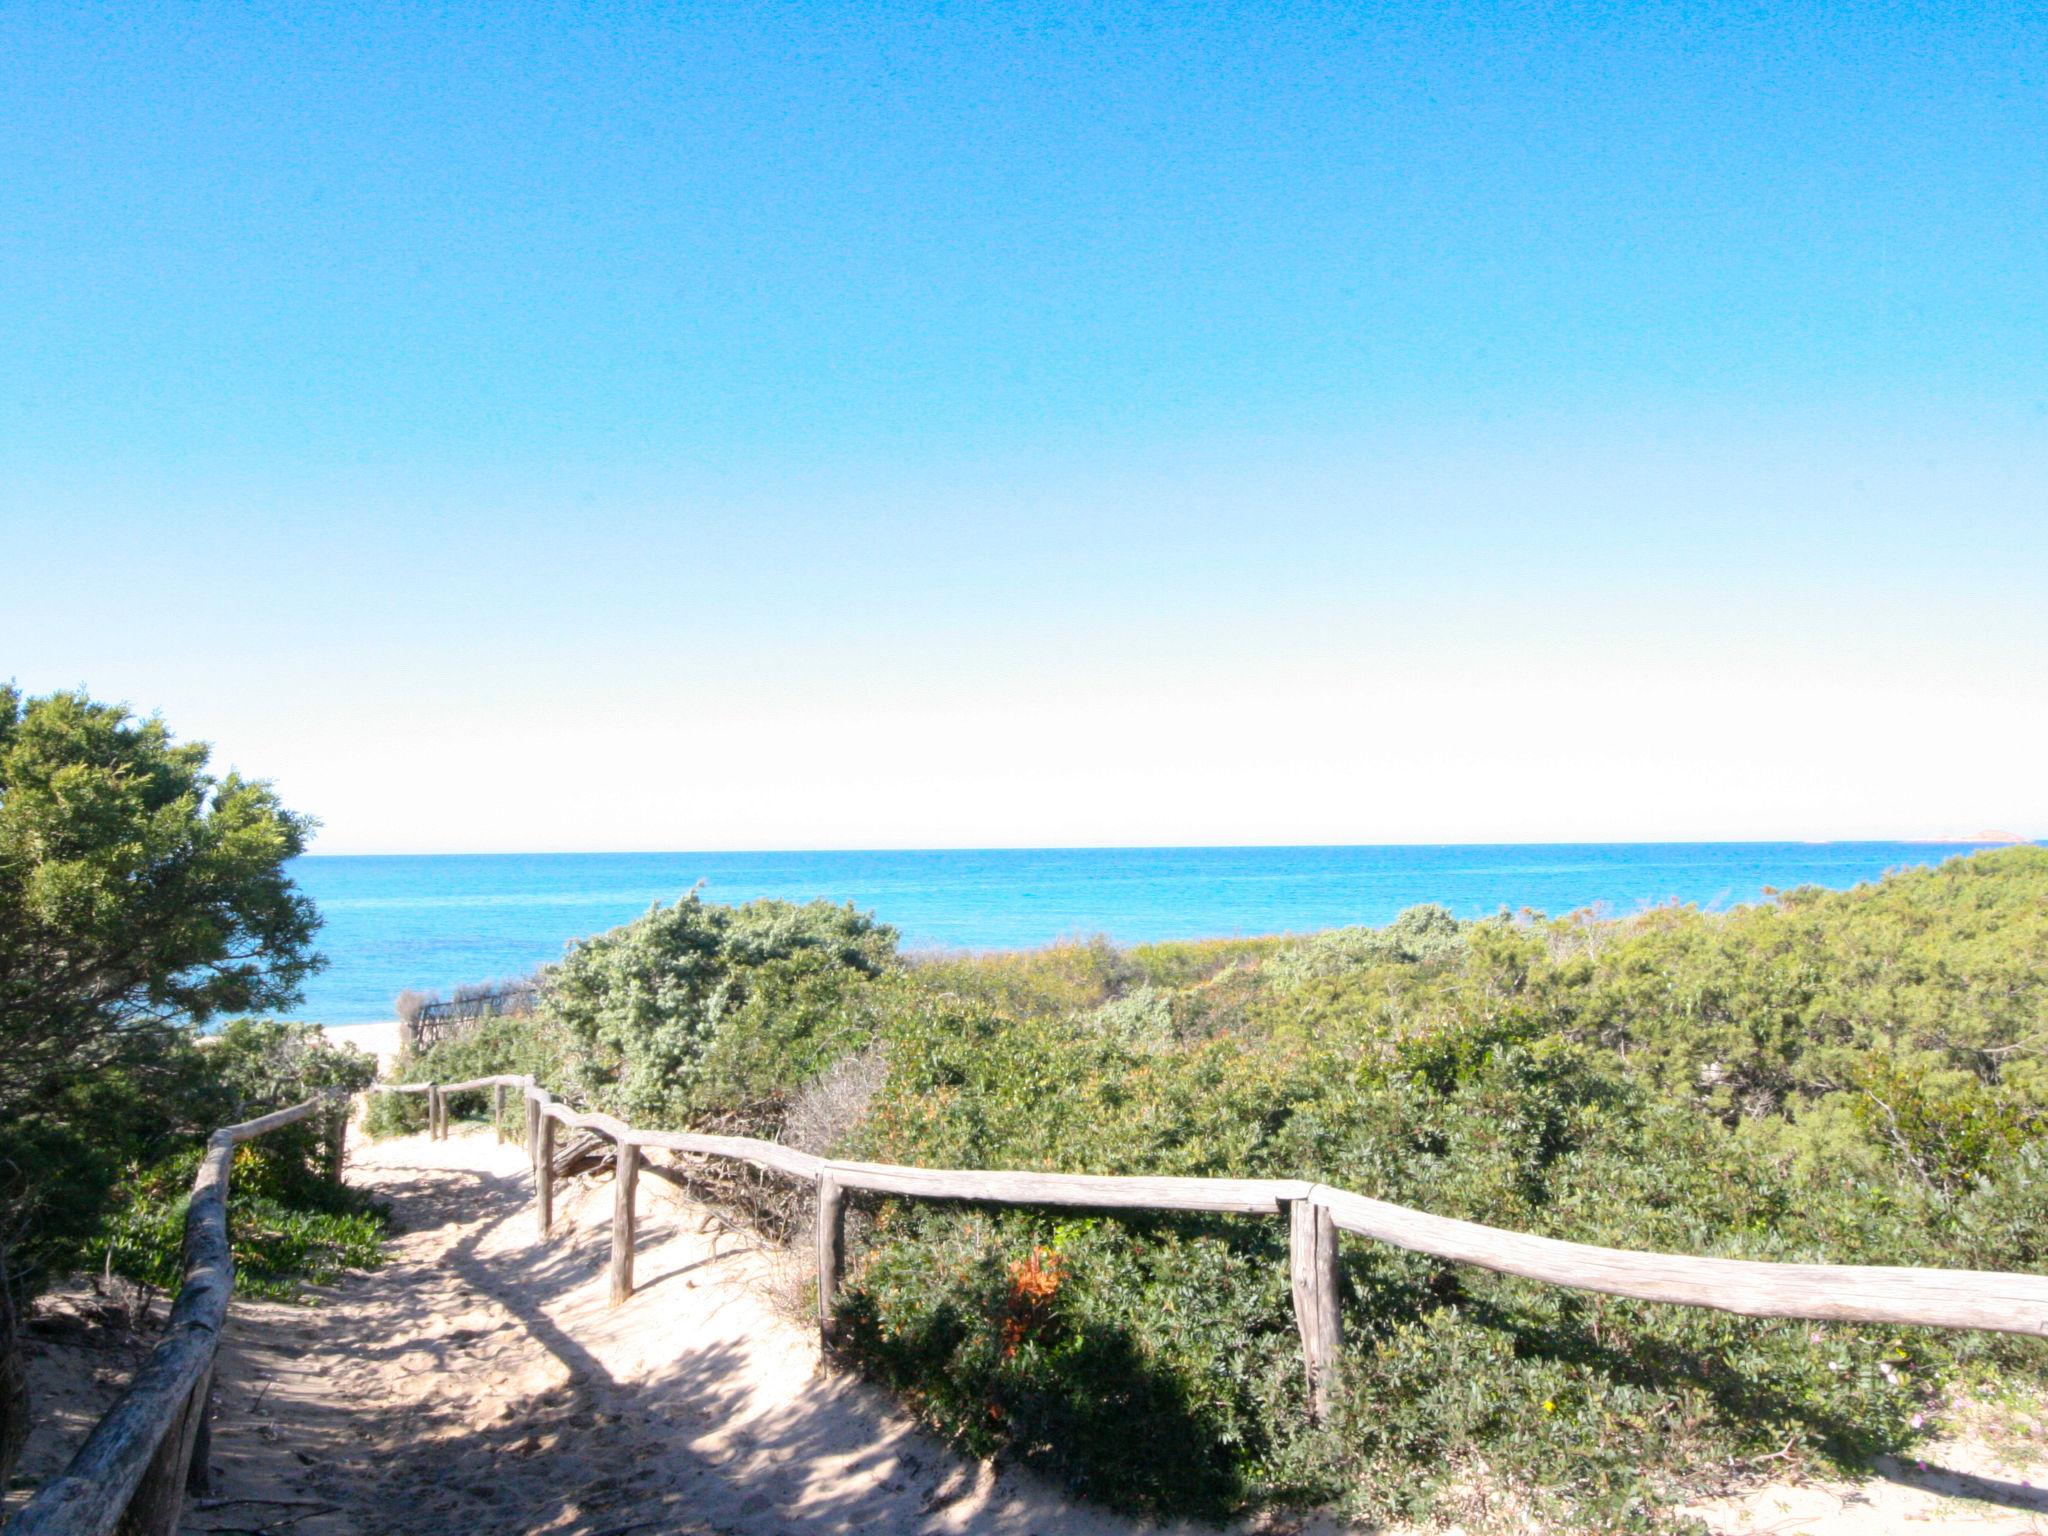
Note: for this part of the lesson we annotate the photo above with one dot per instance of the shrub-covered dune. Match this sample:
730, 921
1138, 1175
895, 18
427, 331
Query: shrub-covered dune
1846, 1076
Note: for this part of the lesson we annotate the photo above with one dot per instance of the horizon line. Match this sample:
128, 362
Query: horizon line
1977, 840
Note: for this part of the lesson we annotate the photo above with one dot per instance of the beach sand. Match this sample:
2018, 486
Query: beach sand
380, 1040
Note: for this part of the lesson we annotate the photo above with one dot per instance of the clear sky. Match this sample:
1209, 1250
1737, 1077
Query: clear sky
524, 427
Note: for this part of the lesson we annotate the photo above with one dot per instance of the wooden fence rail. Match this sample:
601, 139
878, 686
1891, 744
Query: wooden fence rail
134, 1465
131, 1474
485, 1005
1316, 1213
435, 1023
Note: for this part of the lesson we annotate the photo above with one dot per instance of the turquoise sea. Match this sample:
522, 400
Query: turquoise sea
435, 921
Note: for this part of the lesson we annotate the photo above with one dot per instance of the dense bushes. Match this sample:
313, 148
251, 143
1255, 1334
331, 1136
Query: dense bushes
1855, 1077
501, 1043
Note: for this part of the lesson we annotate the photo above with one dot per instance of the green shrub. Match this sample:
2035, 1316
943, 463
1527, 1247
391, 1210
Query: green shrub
635, 1011
1175, 964
1057, 979
1831, 1076
1679, 1081
1137, 1360
1449, 1369
1946, 1127
798, 1017
496, 1045
404, 1114
693, 1015
267, 1064
1419, 936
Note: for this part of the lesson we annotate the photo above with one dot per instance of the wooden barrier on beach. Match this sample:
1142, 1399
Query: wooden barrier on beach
1316, 1214
131, 1474
435, 1023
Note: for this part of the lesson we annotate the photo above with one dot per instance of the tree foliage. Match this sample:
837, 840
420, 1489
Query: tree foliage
139, 894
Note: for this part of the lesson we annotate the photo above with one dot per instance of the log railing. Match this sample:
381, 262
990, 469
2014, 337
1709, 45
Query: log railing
131, 1474
1316, 1213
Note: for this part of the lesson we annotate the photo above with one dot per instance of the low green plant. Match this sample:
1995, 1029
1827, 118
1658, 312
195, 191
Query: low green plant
280, 1238
637, 1013
754, 1002
1178, 963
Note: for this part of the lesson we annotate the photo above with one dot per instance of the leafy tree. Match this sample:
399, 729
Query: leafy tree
139, 894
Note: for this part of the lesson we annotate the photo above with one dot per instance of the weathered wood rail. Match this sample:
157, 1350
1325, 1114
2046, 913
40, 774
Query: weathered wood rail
131, 1474
1316, 1214
437, 1022
484, 1005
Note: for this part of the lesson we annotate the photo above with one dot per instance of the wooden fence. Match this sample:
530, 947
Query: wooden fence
436, 1022
131, 1474
1316, 1213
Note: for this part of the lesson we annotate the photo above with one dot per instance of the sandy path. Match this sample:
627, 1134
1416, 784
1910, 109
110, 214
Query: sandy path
479, 1382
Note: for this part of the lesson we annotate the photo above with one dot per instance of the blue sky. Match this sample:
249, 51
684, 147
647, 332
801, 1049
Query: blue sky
761, 427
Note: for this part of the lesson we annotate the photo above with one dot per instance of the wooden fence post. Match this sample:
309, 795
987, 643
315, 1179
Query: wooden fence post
338, 1149
544, 1177
623, 1183
498, 1111
199, 1480
532, 1099
1312, 1269
437, 1126
831, 1252
160, 1496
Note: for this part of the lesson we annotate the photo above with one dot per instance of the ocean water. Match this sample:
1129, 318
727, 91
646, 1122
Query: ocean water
435, 921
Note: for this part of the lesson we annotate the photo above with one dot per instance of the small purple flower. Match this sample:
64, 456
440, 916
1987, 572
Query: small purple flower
1917, 1420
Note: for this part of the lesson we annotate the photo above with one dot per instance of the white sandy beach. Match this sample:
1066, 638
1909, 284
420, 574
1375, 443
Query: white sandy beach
380, 1040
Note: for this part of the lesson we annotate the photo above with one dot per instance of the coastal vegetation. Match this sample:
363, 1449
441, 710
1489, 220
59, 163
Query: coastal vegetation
1848, 1076
140, 896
